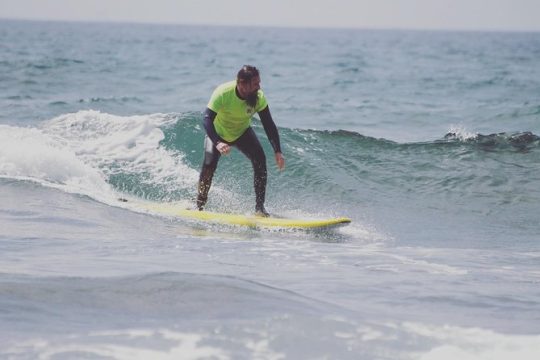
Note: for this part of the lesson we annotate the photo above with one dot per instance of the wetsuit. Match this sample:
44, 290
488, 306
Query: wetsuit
227, 119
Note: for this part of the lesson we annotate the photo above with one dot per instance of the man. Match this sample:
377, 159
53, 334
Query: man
227, 120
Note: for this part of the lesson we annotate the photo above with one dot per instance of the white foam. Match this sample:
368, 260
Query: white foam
461, 133
365, 232
30, 154
432, 268
357, 229
182, 346
475, 343
261, 349
131, 143
79, 152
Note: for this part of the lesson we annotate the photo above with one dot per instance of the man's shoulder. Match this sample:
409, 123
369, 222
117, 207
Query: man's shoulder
226, 87
223, 94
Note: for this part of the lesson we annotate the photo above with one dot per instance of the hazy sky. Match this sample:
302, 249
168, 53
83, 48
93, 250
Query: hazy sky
401, 14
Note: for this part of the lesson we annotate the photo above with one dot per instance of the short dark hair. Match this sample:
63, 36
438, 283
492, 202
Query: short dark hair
247, 72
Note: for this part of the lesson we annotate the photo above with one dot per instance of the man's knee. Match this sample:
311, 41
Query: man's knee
207, 172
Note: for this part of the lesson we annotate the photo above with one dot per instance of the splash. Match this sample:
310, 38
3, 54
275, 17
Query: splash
83, 152
31, 154
458, 132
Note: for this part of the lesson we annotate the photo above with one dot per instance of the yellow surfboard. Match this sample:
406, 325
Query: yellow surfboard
172, 209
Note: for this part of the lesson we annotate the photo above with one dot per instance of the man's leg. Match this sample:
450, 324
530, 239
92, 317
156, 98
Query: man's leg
211, 158
250, 146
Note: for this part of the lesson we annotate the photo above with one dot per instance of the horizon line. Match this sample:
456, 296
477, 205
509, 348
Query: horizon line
291, 27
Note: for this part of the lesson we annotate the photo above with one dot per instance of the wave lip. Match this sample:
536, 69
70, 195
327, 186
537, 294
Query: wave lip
113, 99
88, 151
521, 141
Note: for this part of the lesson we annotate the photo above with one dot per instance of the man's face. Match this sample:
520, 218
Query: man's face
249, 88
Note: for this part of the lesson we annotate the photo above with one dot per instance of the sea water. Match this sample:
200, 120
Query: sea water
428, 141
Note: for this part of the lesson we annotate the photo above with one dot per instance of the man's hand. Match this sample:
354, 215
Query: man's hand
223, 148
280, 161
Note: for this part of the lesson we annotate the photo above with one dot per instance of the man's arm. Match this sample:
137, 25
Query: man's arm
208, 122
273, 135
270, 129
218, 142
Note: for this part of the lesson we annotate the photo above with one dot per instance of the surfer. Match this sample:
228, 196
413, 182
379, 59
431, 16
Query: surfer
227, 121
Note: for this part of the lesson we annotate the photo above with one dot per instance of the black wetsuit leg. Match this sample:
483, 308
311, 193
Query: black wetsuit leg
250, 146
211, 158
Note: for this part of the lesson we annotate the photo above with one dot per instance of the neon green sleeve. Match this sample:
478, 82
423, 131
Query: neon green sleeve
216, 101
261, 102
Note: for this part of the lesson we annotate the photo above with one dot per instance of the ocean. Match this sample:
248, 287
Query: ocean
428, 140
